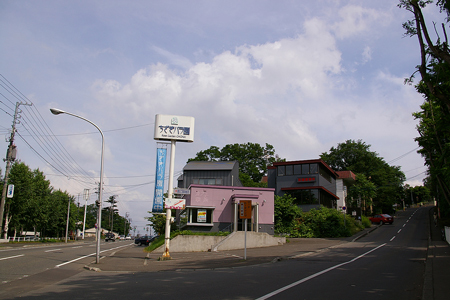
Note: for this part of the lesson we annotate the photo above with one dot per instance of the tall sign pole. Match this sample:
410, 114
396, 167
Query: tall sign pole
173, 129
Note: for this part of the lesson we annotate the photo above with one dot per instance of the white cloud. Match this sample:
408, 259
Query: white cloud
356, 20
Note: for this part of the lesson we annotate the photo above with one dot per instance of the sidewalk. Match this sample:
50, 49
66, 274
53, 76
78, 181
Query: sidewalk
437, 268
134, 259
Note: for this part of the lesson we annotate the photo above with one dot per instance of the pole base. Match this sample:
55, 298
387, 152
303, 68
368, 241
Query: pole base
163, 258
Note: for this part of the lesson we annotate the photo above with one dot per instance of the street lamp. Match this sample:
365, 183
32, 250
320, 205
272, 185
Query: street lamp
56, 111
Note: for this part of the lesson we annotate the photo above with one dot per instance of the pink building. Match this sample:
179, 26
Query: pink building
215, 208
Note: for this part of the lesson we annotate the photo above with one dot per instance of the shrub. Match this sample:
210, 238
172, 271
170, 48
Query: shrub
325, 223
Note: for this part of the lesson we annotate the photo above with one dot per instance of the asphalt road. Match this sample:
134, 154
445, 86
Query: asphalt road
387, 264
19, 262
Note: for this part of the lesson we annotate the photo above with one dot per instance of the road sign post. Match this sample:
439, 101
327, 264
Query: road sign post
245, 212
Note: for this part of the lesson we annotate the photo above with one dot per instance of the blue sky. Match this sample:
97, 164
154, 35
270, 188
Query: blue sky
302, 76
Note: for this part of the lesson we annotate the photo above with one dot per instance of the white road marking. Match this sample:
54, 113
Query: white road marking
316, 275
52, 250
392, 238
74, 260
12, 256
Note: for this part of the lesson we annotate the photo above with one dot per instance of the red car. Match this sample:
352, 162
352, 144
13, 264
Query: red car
382, 219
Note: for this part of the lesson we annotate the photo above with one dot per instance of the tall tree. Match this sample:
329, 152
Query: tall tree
252, 157
356, 156
434, 69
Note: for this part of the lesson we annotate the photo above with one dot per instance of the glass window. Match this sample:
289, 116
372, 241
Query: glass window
325, 174
201, 215
305, 169
207, 181
313, 169
305, 196
297, 169
281, 170
289, 170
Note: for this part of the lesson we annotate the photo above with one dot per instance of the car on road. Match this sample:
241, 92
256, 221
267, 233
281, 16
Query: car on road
109, 236
144, 240
128, 237
382, 219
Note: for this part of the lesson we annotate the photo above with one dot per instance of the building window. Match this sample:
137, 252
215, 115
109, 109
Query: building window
325, 174
281, 170
298, 169
207, 181
305, 196
305, 169
200, 216
313, 169
289, 170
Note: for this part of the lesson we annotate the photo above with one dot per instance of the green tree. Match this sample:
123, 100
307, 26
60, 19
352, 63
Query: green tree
158, 222
434, 69
252, 157
356, 156
286, 213
363, 191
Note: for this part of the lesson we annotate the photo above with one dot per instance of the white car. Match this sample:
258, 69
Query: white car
128, 237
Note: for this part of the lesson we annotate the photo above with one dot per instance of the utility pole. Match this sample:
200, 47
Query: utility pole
10, 157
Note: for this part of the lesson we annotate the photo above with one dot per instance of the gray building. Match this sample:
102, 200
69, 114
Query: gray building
311, 182
224, 173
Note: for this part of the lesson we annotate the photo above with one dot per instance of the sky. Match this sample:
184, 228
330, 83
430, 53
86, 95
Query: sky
302, 76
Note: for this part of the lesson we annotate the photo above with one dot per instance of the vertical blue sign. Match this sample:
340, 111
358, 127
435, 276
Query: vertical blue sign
158, 201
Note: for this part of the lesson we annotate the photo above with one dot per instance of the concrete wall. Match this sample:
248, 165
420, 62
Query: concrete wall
198, 243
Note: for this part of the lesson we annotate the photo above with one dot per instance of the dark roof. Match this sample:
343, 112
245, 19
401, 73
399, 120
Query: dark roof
209, 165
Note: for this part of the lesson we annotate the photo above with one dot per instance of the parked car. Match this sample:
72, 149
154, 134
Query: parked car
121, 237
144, 240
128, 237
109, 236
382, 219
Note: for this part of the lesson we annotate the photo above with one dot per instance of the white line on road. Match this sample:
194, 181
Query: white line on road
52, 250
316, 275
392, 238
404, 225
12, 256
74, 260
399, 231
77, 247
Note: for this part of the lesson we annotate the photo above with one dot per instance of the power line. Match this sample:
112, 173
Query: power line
403, 155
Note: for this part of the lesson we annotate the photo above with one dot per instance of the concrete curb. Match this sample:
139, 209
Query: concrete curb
365, 233
89, 268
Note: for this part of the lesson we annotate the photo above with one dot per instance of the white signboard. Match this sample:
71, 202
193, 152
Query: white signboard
178, 128
10, 192
179, 191
172, 203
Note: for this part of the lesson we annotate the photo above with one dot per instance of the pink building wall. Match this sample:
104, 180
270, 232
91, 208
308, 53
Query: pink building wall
223, 197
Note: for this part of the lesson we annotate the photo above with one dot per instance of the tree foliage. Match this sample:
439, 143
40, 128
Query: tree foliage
286, 213
434, 116
371, 170
36, 206
252, 157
